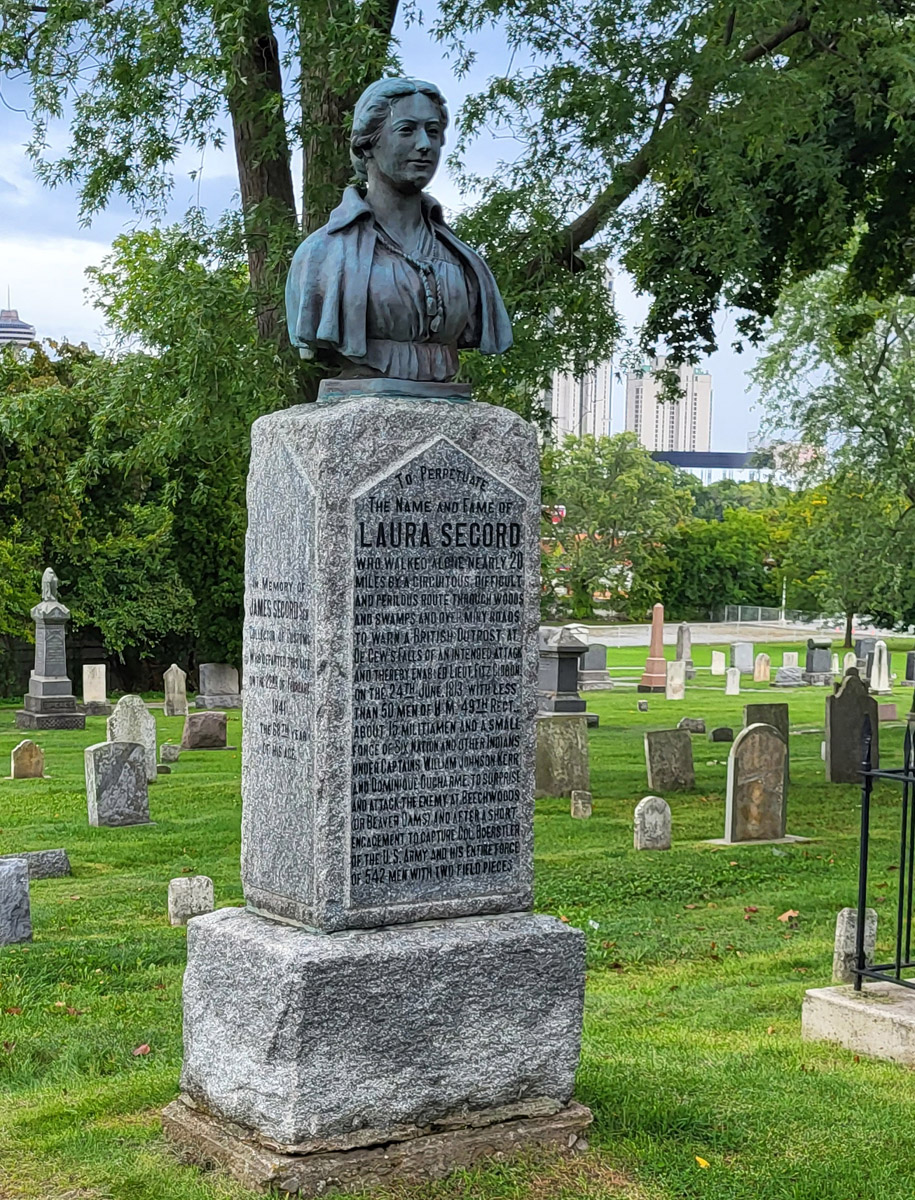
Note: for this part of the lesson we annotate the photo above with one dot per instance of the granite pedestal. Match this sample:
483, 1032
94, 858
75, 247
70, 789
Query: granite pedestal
50, 703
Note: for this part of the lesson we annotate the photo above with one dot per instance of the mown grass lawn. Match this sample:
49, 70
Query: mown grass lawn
692, 1043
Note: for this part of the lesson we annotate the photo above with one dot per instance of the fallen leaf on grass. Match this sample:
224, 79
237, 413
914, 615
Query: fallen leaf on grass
857, 1058
76, 897
565, 920
59, 1004
751, 908
733, 862
691, 906
9, 1047
701, 1161
789, 915
144, 1049
13, 1012
771, 1029
75, 1012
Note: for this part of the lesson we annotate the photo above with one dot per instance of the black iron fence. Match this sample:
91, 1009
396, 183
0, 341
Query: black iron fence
890, 972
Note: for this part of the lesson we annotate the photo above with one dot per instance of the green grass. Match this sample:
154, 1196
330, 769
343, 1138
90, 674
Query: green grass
692, 1032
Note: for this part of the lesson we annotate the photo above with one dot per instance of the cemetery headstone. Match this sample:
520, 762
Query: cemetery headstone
189, 896
651, 824
654, 677
722, 733
219, 683
562, 765
116, 784
887, 712
719, 662
642, 705
27, 761
844, 954
593, 675
15, 912
845, 715
95, 690
561, 652
676, 680
685, 648
880, 682
163, 769
732, 682
910, 667
789, 658
818, 667
204, 731
44, 864
864, 646
169, 753
50, 703
756, 795
581, 805
669, 760
175, 683
692, 724
776, 715
132, 721
834, 665
387, 780
742, 657
789, 677
761, 669
850, 660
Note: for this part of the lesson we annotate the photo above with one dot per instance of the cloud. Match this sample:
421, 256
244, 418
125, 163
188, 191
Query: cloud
46, 279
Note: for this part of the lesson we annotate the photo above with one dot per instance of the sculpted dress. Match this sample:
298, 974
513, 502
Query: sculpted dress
351, 290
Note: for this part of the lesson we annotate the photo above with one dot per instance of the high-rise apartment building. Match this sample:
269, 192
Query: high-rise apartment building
665, 425
14, 332
580, 404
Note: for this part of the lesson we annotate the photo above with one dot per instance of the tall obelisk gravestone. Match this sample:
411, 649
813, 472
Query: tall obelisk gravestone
387, 980
49, 702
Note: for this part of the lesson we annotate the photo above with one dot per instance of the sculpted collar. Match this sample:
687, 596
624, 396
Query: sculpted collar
354, 206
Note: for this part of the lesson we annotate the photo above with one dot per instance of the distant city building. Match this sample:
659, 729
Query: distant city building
13, 331
684, 425
580, 404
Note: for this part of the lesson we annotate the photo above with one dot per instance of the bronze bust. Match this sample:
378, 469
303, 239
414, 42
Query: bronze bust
385, 288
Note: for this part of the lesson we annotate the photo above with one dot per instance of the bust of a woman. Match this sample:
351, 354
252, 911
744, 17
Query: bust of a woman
385, 288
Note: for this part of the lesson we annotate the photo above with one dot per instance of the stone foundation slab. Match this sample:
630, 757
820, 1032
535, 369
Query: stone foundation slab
878, 1021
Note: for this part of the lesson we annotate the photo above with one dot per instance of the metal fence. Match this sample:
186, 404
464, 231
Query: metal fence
904, 776
736, 614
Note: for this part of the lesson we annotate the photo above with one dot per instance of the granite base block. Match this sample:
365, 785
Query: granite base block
226, 701
44, 864
210, 1142
301, 1036
34, 720
878, 1021
96, 708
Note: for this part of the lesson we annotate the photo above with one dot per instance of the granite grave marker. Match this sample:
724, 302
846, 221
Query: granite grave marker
116, 784
132, 722
95, 690
846, 712
218, 686
175, 683
49, 702
669, 760
27, 761
651, 824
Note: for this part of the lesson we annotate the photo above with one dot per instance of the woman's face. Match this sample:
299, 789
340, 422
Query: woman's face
409, 144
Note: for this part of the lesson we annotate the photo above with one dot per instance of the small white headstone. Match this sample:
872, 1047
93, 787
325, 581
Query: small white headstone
132, 721
761, 669
95, 685
835, 663
742, 657
651, 824
789, 658
675, 688
843, 958
581, 805
851, 660
732, 682
880, 673
189, 896
719, 662
175, 681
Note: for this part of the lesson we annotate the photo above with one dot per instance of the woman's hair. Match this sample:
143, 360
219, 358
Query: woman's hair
373, 107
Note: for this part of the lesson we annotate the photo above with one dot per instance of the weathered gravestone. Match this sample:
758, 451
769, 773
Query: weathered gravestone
723, 733
850, 660
789, 658
651, 824
761, 669
834, 666
642, 705
676, 680
684, 652
719, 662
593, 675
27, 761
219, 681
581, 805
818, 666
560, 654
175, 683
204, 731
50, 703
44, 864
132, 722
116, 784
390, 677
15, 913
189, 896
864, 648
789, 677
844, 957
669, 760
95, 690
756, 796
654, 677
169, 753
887, 712
562, 765
776, 715
846, 712
692, 724
732, 681
910, 667
742, 657
880, 681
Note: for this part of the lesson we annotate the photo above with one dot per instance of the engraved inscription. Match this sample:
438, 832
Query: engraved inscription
439, 584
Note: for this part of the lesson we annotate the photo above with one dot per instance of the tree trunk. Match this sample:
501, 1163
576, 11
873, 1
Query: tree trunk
849, 630
255, 99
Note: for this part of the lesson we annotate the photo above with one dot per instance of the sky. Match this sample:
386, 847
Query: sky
44, 250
